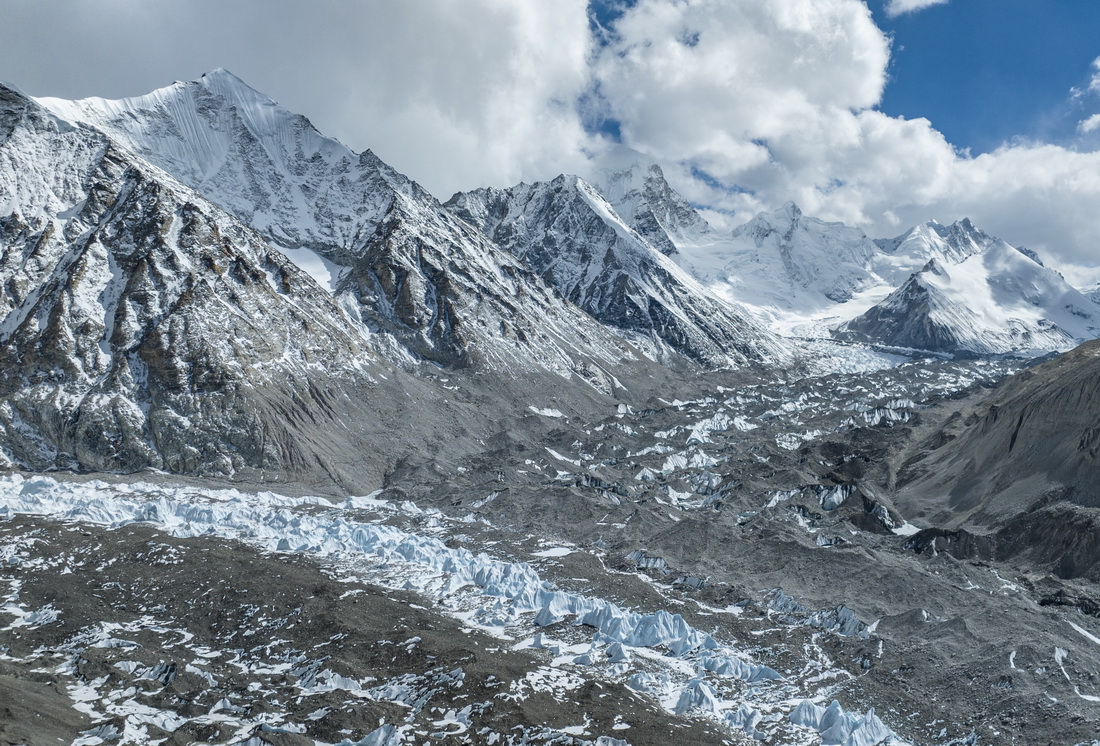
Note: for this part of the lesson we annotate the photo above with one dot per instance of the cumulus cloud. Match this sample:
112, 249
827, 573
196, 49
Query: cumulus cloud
757, 103
900, 7
482, 89
746, 103
1089, 125
457, 94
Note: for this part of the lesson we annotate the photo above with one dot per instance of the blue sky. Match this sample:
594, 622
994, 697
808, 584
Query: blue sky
984, 72
987, 71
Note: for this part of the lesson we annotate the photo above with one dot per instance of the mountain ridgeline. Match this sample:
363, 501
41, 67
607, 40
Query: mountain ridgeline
187, 269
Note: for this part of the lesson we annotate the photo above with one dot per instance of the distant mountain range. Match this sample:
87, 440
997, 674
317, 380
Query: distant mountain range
166, 255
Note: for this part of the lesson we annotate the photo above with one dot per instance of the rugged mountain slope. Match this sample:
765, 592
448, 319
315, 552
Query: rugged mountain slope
992, 302
142, 326
1016, 475
388, 250
567, 232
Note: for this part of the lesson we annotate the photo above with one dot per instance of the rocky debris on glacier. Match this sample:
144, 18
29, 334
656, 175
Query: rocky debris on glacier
185, 640
725, 516
568, 233
229, 653
942, 649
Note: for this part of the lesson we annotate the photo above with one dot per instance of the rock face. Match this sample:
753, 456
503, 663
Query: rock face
1023, 465
567, 232
138, 318
636, 187
994, 301
403, 265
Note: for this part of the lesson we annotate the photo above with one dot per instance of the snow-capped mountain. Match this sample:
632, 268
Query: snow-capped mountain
995, 301
951, 289
568, 233
402, 264
785, 262
636, 187
139, 321
479, 449
909, 252
1091, 292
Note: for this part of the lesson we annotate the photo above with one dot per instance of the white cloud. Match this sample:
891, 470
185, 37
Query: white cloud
456, 94
778, 100
771, 99
1089, 125
896, 8
463, 94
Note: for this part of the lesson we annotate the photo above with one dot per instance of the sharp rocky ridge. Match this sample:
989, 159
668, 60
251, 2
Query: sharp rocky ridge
384, 247
616, 270
145, 327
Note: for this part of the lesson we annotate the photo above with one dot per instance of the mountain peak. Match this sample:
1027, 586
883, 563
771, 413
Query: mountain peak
791, 208
224, 83
636, 187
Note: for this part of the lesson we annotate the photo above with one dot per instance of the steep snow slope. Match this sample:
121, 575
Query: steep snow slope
636, 188
399, 261
569, 234
138, 320
992, 302
785, 262
909, 252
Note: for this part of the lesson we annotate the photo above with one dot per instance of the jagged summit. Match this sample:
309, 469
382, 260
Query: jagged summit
636, 187
930, 240
407, 267
995, 301
240, 148
568, 233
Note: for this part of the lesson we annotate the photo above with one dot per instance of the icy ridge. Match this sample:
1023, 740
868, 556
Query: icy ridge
994, 301
568, 233
396, 259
